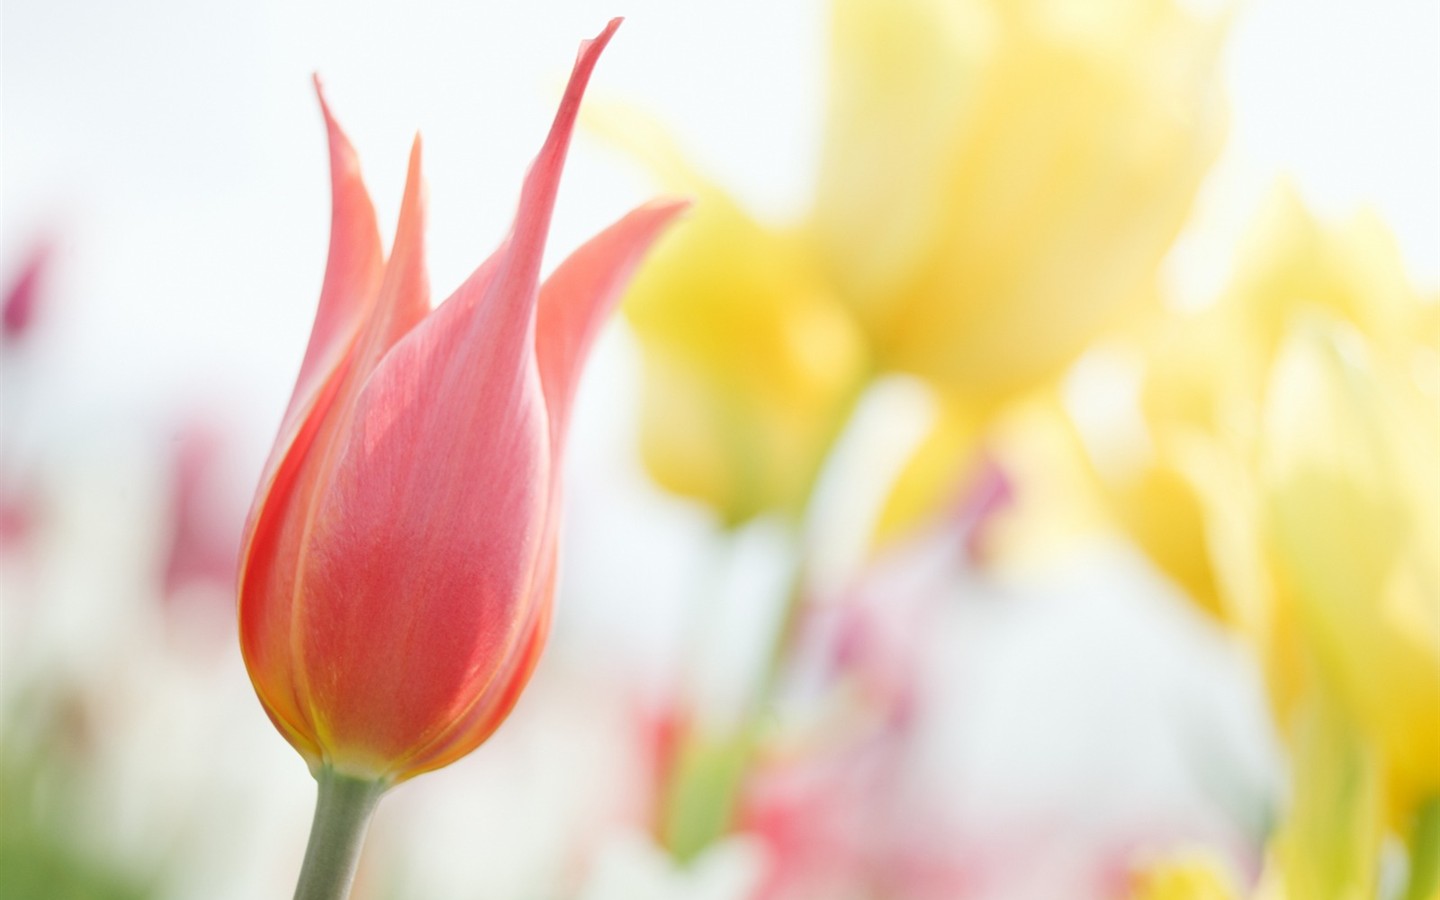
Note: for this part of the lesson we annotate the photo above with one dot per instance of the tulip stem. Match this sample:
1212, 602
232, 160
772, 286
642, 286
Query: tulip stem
342, 815
1425, 853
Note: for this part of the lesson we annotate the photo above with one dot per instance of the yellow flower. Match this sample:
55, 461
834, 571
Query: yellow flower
1351, 466
1000, 180
1192, 500
1289, 482
750, 363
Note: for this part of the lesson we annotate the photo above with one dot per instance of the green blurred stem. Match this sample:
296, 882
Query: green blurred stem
1425, 853
342, 815
704, 791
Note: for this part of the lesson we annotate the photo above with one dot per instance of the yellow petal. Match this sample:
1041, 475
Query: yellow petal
750, 364
1000, 181
1350, 463
1294, 263
934, 475
1053, 501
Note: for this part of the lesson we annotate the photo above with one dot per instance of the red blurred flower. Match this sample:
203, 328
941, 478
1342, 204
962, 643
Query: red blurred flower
23, 294
845, 821
204, 536
844, 810
399, 563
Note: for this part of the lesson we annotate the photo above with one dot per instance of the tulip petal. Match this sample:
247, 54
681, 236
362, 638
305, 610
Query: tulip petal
404, 296
352, 276
580, 294
457, 402
1348, 455
515, 284
303, 457
402, 577
491, 707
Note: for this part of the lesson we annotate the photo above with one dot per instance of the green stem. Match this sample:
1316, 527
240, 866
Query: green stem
1425, 853
781, 644
342, 814
701, 793
704, 789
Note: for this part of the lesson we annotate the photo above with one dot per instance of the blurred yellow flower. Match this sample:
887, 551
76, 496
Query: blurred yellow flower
998, 183
1029, 165
1192, 501
1351, 466
1000, 180
1290, 482
750, 363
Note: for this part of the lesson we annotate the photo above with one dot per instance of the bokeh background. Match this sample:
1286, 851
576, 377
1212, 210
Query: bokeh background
165, 216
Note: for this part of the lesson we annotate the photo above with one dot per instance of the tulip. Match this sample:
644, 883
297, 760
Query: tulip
1352, 492
999, 185
1288, 484
399, 561
751, 362
1000, 180
751, 365
1190, 497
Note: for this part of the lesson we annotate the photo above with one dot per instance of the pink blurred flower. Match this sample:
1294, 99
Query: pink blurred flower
24, 293
204, 534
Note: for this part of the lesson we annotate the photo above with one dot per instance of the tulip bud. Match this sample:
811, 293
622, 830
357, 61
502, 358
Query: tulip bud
399, 561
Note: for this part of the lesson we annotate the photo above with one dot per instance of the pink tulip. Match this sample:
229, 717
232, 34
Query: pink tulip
23, 294
398, 568
204, 530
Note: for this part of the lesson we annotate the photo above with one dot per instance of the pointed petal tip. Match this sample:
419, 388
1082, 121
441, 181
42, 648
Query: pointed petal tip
343, 158
591, 48
600, 40
660, 213
537, 196
413, 201
412, 204
410, 231
416, 147
319, 84
668, 206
